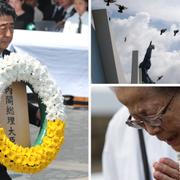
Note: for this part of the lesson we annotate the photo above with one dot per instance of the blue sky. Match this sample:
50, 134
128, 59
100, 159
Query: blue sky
141, 23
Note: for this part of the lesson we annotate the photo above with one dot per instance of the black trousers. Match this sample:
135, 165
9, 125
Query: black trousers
3, 173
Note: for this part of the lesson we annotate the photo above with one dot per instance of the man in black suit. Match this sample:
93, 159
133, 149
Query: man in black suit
68, 11
54, 12
7, 18
43, 4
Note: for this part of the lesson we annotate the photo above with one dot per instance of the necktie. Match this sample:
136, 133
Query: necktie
64, 15
54, 12
79, 25
58, 14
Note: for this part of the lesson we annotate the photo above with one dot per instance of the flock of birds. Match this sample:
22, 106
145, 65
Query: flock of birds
165, 29
121, 8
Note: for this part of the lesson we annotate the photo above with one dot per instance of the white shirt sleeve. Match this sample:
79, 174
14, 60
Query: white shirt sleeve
122, 154
67, 27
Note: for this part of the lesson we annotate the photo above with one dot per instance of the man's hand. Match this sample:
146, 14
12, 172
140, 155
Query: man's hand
166, 169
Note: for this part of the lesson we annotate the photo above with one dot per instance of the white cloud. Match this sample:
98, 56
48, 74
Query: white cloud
159, 9
97, 4
137, 30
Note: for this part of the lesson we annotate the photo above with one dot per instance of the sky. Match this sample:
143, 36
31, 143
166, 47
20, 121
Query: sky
103, 101
140, 24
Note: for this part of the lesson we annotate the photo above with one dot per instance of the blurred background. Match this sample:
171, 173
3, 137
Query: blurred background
103, 106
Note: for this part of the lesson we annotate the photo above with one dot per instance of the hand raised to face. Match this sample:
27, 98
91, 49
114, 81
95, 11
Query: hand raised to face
166, 169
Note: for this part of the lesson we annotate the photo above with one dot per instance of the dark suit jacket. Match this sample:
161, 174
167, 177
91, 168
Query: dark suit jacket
58, 16
43, 4
48, 11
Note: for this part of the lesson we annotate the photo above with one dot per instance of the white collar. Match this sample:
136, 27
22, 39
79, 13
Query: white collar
69, 9
58, 7
84, 15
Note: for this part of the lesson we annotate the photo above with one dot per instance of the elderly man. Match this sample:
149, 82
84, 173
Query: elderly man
123, 151
155, 109
7, 18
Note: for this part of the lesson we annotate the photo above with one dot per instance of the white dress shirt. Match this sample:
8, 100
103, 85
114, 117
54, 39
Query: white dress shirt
71, 25
68, 12
38, 15
122, 154
1, 57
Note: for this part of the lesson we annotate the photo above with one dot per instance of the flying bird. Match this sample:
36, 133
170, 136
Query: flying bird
163, 31
121, 8
159, 78
175, 32
125, 39
109, 1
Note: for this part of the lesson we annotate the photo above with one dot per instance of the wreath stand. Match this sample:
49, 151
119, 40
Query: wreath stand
25, 158
14, 114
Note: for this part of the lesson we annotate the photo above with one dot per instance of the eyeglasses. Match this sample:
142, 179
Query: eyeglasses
152, 120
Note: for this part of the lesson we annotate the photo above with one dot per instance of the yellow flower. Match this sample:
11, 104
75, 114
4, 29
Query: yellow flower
33, 159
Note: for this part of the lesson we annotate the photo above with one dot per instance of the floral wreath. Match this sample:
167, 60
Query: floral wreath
33, 159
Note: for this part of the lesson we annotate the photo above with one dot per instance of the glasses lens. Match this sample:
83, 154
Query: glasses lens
154, 122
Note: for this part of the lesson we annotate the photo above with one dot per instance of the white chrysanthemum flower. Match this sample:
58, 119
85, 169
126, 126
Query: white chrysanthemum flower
25, 68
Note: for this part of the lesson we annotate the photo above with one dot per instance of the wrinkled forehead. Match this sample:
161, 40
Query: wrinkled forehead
132, 95
6, 20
